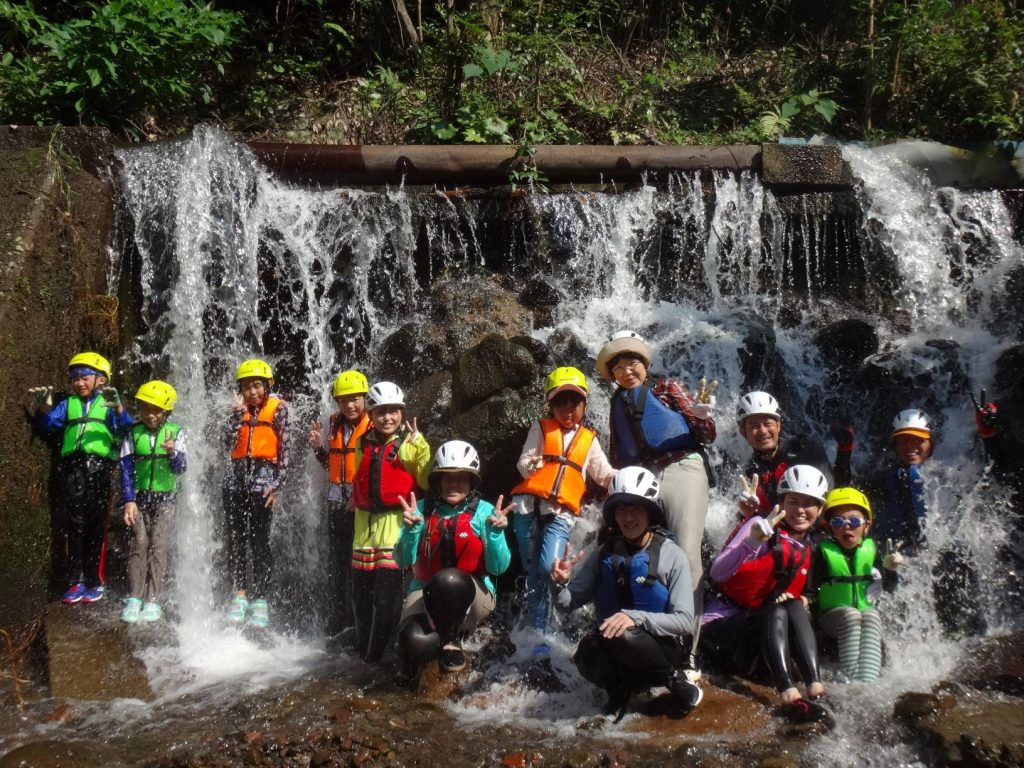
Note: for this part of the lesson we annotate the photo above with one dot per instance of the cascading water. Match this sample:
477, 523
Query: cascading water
233, 263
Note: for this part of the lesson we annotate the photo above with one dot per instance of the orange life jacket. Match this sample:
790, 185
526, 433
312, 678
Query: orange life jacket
783, 568
257, 438
449, 542
341, 457
561, 479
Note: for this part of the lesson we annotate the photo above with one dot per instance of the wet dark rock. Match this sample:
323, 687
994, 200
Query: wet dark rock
406, 355
52, 754
430, 402
975, 732
847, 343
60, 714
539, 351
617, 759
778, 761
90, 655
996, 664
581, 760
759, 360
540, 292
912, 706
565, 348
497, 428
466, 311
486, 369
1009, 393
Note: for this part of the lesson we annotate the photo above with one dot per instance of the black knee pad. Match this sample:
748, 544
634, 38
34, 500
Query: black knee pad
416, 640
448, 596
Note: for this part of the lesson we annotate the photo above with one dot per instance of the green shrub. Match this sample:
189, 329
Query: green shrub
110, 62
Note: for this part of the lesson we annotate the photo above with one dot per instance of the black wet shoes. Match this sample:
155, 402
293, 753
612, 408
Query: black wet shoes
451, 659
687, 694
803, 711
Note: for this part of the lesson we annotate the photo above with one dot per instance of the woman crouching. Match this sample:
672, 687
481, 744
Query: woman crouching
639, 582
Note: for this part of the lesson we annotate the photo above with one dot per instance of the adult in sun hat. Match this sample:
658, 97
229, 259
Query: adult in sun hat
659, 424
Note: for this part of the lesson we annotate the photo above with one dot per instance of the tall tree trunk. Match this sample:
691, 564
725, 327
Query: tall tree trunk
406, 23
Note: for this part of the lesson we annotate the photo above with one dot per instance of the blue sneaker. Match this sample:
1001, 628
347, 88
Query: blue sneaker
132, 606
74, 593
93, 594
259, 614
237, 609
541, 650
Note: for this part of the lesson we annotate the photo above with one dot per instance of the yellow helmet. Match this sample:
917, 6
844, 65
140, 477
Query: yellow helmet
254, 368
842, 496
563, 380
350, 383
158, 393
91, 360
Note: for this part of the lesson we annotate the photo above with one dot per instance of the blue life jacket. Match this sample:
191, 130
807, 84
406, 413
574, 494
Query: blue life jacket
630, 580
643, 426
903, 509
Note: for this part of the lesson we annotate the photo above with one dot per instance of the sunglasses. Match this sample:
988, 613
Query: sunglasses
846, 522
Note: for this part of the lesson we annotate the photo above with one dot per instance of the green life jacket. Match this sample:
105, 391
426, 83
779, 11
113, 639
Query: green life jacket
88, 432
152, 463
841, 587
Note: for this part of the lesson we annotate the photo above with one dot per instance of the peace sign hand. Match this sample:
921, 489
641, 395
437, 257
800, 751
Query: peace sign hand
706, 392
892, 559
500, 517
561, 569
762, 529
410, 514
749, 501
315, 435
412, 429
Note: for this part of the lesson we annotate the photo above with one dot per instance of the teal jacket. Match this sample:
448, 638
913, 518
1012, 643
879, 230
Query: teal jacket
497, 555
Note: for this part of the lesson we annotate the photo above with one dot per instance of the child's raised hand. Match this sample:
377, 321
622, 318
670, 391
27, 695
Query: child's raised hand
238, 402
561, 569
43, 397
112, 398
893, 559
315, 437
749, 502
412, 429
706, 393
168, 445
500, 517
762, 529
410, 515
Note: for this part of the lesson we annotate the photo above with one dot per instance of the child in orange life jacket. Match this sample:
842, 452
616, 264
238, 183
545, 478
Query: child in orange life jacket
847, 584
558, 455
257, 433
760, 612
151, 459
391, 463
337, 451
454, 541
90, 424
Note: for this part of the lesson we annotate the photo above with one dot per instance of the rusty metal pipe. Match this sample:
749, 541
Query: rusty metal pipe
368, 165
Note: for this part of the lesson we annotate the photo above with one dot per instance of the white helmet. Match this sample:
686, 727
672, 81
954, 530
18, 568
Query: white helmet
757, 404
455, 456
635, 485
805, 479
912, 422
384, 393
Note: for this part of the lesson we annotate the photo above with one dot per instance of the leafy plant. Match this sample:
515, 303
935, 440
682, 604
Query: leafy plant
112, 62
798, 113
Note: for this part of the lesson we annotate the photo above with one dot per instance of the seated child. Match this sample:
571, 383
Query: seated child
759, 611
337, 451
557, 457
90, 427
151, 458
391, 463
257, 433
454, 541
639, 582
847, 583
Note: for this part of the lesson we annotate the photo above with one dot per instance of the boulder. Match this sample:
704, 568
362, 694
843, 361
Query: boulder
846, 344
467, 310
497, 428
408, 354
489, 367
996, 664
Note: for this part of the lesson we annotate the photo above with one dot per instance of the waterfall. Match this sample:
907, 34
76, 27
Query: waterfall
233, 263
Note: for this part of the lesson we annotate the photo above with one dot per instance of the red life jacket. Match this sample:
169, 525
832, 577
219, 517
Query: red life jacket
449, 542
381, 479
783, 568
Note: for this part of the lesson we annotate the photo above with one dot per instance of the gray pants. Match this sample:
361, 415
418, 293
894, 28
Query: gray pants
147, 554
684, 494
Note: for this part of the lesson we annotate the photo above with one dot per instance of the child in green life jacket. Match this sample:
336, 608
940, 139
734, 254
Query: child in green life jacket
849, 583
88, 426
151, 459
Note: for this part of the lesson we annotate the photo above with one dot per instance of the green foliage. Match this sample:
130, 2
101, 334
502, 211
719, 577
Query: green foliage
110, 62
800, 113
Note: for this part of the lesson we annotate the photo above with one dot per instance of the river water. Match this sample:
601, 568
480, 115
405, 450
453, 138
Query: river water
238, 264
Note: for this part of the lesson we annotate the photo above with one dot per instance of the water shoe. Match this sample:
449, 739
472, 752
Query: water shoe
259, 614
451, 659
130, 613
686, 693
803, 711
237, 609
93, 594
74, 593
151, 612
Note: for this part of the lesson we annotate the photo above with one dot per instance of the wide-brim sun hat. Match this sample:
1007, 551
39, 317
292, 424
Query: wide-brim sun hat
622, 342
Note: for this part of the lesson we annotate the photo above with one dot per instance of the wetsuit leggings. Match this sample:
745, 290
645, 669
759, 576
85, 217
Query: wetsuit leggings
248, 531
86, 481
633, 661
340, 529
772, 633
450, 603
375, 600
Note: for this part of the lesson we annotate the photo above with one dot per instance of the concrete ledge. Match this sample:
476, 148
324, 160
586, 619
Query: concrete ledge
800, 168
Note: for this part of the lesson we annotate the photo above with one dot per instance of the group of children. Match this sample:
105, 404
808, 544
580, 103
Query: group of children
401, 522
